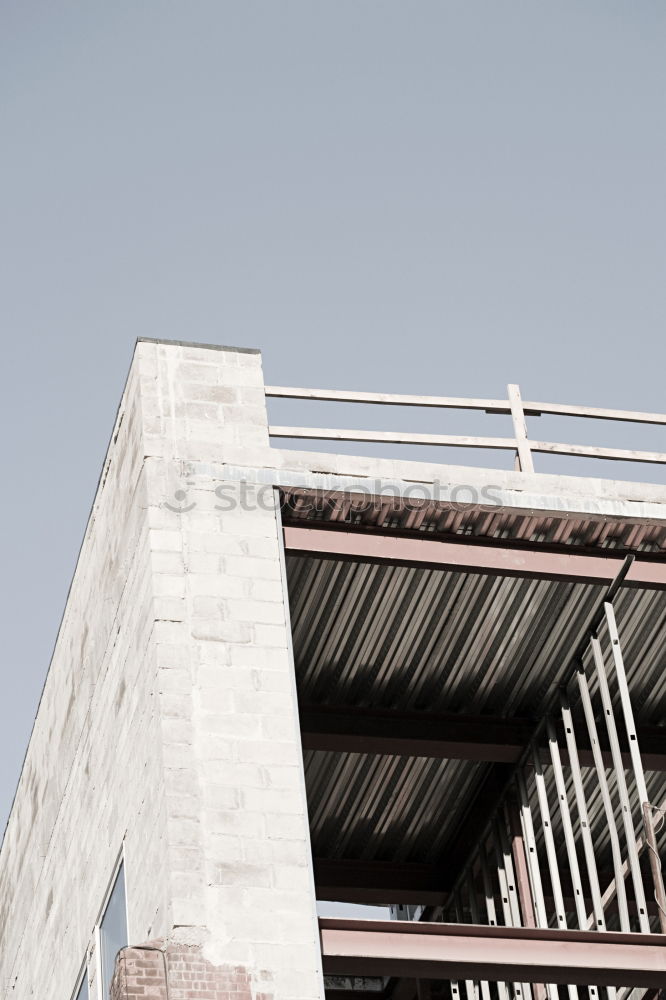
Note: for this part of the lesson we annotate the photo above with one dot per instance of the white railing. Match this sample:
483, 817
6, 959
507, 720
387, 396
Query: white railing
523, 446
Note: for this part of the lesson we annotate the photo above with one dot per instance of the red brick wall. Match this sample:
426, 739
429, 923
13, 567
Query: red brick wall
142, 973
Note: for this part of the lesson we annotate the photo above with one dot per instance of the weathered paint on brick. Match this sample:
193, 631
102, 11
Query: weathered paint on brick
160, 971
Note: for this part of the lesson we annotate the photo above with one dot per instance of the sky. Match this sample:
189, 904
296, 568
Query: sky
424, 197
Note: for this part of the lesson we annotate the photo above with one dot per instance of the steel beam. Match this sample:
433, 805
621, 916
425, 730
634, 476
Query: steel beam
449, 737
492, 559
348, 880
416, 734
452, 951
380, 882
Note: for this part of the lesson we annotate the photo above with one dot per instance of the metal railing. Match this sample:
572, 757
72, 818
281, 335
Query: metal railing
521, 444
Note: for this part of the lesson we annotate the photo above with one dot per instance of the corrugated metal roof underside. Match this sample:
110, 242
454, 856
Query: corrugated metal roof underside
382, 808
425, 639
431, 640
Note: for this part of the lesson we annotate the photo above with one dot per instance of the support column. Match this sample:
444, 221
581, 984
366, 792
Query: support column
242, 889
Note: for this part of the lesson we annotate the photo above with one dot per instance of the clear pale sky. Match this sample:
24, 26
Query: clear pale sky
429, 197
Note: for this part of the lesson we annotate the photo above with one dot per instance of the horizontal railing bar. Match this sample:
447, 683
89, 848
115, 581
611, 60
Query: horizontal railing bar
500, 406
394, 399
589, 451
457, 441
391, 437
593, 412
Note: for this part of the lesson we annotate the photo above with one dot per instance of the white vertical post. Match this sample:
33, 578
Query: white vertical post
602, 781
502, 990
584, 820
531, 852
474, 910
637, 763
618, 765
533, 867
510, 909
551, 852
524, 455
569, 839
470, 986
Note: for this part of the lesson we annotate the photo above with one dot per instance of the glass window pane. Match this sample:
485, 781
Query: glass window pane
113, 931
83, 989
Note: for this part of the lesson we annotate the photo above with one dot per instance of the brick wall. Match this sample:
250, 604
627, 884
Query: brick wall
239, 858
93, 773
169, 716
177, 972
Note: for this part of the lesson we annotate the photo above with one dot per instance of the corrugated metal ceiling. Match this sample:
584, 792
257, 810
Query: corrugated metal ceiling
423, 639
432, 640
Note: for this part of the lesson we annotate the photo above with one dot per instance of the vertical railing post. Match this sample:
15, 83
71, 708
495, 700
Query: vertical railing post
523, 453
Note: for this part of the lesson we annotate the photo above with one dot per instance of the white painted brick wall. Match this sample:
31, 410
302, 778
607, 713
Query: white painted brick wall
93, 769
248, 879
169, 714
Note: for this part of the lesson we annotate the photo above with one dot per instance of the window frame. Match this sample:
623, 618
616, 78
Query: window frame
120, 862
82, 977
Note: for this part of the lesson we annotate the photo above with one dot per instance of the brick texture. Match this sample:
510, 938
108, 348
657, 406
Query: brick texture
168, 725
178, 972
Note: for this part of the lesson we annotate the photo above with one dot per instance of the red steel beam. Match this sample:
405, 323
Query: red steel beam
496, 559
464, 951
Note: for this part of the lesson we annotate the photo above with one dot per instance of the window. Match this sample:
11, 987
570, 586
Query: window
83, 989
112, 931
